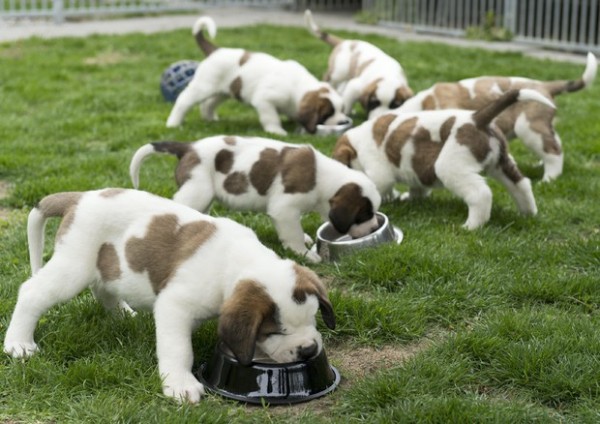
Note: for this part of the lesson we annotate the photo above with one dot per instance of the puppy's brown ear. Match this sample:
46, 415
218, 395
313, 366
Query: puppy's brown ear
368, 98
343, 151
241, 317
314, 109
307, 282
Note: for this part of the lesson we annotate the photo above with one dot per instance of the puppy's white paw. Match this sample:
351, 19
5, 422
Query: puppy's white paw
404, 196
276, 130
173, 122
308, 241
20, 349
183, 389
392, 195
312, 256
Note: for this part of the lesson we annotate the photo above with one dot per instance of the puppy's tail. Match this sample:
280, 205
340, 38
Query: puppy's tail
314, 28
171, 147
586, 80
489, 112
59, 204
205, 22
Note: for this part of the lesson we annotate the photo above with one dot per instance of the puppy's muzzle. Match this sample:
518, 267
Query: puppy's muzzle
307, 352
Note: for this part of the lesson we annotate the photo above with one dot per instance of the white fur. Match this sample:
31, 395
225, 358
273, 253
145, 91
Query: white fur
383, 67
456, 167
285, 209
194, 293
270, 85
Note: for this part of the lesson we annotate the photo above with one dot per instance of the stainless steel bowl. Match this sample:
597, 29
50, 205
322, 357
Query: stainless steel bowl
267, 381
331, 245
333, 129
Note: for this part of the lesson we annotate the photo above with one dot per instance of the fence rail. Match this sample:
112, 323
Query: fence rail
564, 24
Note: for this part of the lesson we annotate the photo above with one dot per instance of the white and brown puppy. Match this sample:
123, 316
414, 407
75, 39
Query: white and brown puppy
449, 148
362, 72
282, 179
134, 248
270, 85
532, 122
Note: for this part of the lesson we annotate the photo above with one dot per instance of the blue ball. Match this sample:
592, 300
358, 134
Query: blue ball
176, 77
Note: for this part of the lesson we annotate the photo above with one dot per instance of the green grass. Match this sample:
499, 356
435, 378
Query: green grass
510, 311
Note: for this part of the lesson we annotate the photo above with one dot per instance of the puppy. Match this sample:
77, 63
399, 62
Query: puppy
447, 148
284, 180
270, 85
186, 267
364, 73
532, 122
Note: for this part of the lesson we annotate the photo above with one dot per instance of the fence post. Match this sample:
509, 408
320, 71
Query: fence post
57, 11
510, 15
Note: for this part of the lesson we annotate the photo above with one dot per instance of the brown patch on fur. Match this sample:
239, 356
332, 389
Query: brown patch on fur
540, 117
308, 283
60, 204
112, 192
397, 139
230, 140
402, 94
108, 263
183, 171
236, 88
505, 162
380, 127
242, 315
314, 109
446, 128
236, 183
224, 161
245, 58
298, 169
477, 142
264, 171
206, 46
428, 103
424, 157
343, 151
369, 94
331, 63
166, 244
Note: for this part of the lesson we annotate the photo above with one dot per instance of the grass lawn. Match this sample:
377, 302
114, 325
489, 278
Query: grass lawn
495, 325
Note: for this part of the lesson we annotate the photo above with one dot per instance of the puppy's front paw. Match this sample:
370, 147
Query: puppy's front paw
183, 389
276, 130
308, 241
312, 256
20, 349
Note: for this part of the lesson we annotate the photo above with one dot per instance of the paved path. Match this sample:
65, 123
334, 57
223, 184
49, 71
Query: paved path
236, 16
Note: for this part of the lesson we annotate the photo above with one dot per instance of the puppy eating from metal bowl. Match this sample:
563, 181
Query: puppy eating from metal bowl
331, 245
334, 129
265, 381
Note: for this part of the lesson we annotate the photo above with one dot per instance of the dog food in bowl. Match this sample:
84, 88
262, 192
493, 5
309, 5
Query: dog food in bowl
267, 381
331, 245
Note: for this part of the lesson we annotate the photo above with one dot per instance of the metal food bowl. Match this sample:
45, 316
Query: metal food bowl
331, 245
334, 129
176, 77
265, 381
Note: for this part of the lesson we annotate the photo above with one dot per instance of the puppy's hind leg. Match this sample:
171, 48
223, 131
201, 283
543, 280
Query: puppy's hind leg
190, 96
59, 280
519, 187
209, 106
197, 192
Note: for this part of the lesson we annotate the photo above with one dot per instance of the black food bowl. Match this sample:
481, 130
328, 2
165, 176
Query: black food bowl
268, 382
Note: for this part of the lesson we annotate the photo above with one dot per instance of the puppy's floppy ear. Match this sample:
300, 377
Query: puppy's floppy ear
368, 98
314, 109
241, 318
348, 206
307, 283
343, 151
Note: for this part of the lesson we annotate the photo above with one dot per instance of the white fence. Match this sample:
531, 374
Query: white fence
563, 24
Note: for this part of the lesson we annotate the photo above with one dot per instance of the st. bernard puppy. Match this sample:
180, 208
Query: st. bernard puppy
284, 180
362, 72
140, 250
532, 122
447, 148
270, 85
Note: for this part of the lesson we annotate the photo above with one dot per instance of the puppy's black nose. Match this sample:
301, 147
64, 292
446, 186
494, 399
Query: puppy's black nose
344, 122
307, 352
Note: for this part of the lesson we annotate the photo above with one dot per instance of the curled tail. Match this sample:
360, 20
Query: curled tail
312, 25
586, 80
171, 147
54, 205
205, 22
484, 116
